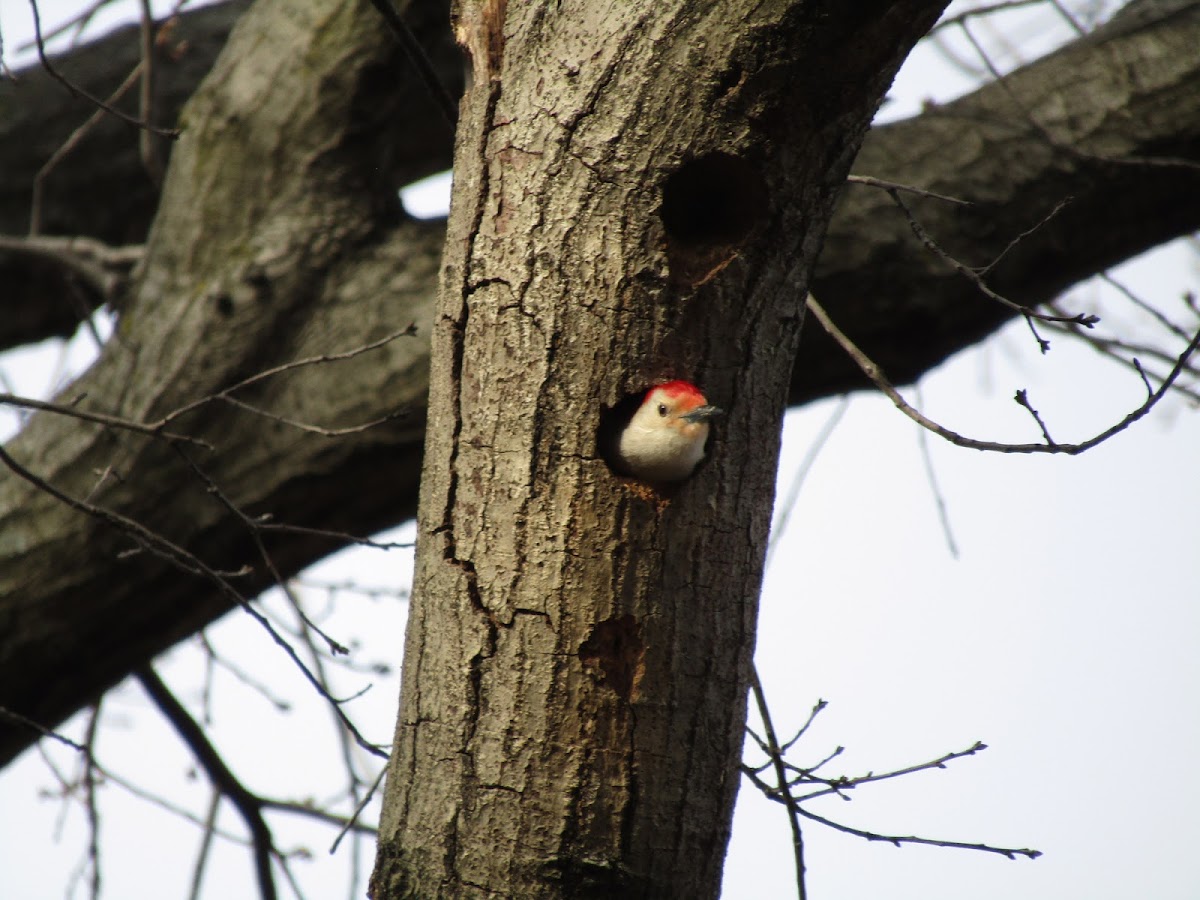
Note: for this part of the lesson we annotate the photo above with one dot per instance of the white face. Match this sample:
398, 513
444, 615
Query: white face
660, 444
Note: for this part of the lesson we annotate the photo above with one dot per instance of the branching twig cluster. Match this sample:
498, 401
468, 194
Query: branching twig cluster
137, 122
251, 807
150, 541
793, 786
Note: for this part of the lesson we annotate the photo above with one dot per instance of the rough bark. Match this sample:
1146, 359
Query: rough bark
100, 189
640, 193
885, 291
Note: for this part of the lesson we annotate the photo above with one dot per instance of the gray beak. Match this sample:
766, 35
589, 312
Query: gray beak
702, 414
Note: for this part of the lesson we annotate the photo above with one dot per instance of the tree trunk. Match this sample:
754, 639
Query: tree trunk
640, 194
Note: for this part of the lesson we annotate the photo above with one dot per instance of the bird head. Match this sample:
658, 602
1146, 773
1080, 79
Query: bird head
665, 438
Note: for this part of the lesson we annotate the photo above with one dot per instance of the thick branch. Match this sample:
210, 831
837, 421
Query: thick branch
100, 189
278, 242
1068, 128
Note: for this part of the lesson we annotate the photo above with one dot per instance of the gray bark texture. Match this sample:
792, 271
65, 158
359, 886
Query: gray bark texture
640, 194
276, 237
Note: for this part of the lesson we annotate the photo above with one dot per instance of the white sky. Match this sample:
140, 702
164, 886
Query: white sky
1065, 637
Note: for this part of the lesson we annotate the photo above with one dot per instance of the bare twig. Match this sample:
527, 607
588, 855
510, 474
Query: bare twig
90, 801
247, 805
781, 792
908, 189
986, 10
1145, 307
408, 331
1058, 207
1068, 17
806, 464
149, 144
188, 562
1112, 348
358, 811
158, 428
99, 418
305, 426
206, 843
775, 752
305, 810
77, 91
939, 499
1022, 398
79, 21
67, 146
45, 732
256, 535
803, 729
840, 785
103, 268
241, 675
416, 55
898, 840
873, 372
1084, 319
341, 536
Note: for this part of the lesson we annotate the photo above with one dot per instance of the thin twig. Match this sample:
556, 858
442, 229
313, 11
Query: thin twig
256, 535
408, 331
776, 756
1084, 319
305, 426
979, 11
358, 811
188, 562
898, 840
206, 843
1145, 307
818, 707
1033, 229
79, 21
873, 372
247, 805
76, 91
149, 147
839, 785
935, 488
907, 188
1022, 398
45, 732
99, 418
90, 801
420, 61
810, 457
67, 146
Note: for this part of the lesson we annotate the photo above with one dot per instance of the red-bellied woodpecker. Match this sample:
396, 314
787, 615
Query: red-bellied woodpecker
664, 439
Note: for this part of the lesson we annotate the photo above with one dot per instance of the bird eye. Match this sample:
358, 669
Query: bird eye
662, 409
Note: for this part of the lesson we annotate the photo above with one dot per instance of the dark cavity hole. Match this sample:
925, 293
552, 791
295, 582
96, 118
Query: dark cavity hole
714, 200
